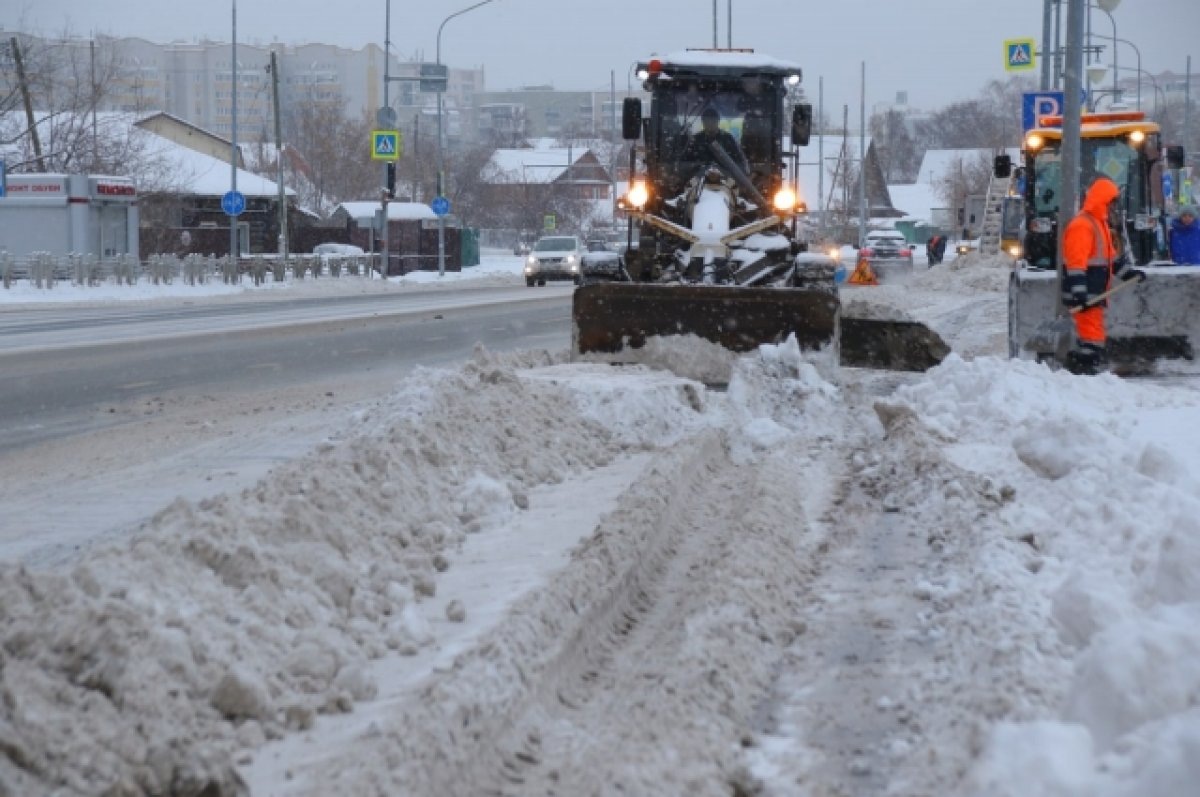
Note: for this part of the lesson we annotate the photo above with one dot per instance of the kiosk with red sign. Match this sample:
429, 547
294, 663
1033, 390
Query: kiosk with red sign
69, 213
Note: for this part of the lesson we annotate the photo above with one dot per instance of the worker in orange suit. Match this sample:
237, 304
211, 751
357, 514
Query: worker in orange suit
1090, 260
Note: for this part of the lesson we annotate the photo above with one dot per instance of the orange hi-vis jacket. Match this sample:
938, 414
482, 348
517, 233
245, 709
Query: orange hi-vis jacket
1088, 255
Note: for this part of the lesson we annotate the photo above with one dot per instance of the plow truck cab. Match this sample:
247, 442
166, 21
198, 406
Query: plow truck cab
715, 200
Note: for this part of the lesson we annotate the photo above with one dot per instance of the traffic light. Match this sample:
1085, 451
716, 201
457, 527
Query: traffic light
391, 178
1175, 156
1002, 166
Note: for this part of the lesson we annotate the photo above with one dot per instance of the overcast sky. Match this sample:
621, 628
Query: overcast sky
937, 51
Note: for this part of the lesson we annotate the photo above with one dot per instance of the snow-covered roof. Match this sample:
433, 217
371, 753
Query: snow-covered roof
938, 162
203, 175
181, 168
725, 58
396, 211
917, 200
544, 163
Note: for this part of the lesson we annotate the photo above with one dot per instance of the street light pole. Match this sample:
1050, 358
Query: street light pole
1158, 92
1113, 3
441, 139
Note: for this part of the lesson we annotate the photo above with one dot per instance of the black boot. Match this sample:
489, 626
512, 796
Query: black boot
1087, 359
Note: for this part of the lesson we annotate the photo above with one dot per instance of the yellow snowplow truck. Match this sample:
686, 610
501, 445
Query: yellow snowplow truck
718, 254
1154, 320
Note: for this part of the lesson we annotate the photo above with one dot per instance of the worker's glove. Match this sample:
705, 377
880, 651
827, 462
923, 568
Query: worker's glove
1074, 290
1076, 300
1125, 271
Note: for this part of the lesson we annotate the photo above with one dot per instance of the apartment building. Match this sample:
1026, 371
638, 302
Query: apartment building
194, 81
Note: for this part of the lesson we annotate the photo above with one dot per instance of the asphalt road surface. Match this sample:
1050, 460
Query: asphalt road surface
64, 368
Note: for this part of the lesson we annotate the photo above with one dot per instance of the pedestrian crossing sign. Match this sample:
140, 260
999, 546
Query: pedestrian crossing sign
386, 145
1018, 55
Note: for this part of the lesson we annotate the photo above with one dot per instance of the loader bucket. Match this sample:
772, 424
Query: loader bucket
609, 317
890, 344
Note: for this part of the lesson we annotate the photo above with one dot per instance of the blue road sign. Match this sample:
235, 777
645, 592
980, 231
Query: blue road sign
1018, 54
233, 203
386, 145
440, 206
1035, 104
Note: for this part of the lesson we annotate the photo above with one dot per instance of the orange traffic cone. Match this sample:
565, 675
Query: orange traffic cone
863, 274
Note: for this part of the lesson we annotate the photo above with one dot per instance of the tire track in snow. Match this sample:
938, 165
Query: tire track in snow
640, 668
903, 661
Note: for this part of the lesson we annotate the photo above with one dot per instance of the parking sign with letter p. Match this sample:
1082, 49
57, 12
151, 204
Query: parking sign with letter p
1036, 104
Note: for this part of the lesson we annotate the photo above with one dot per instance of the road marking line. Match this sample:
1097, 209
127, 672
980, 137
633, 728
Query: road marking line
135, 385
261, 366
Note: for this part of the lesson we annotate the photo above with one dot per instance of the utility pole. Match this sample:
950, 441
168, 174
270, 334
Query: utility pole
283, 225
1047, 52
233, 154
383, 194
1187, 103
28, 100
715, 45
1058, 53
821, 151
94, 93
862, 156
1071, 126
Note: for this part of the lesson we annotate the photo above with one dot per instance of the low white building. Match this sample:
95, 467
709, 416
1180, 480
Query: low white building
69, 214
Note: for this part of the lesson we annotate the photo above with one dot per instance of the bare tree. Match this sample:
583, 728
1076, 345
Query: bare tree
464, 176
898, 154
66, 80
328, 161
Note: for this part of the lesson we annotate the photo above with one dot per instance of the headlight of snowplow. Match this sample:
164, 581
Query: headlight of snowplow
639, 194
785, 200
1033, 142
1015, 250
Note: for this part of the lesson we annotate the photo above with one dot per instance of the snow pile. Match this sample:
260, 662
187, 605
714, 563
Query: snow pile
493, 270
223, 624
516, 705
1106, 498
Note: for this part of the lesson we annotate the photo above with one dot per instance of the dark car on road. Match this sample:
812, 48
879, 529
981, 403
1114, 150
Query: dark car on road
888, 252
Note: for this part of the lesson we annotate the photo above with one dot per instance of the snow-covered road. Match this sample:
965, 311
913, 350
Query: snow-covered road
525, 575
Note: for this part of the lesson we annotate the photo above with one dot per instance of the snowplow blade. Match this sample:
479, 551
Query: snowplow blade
610, 317
1156, 319
890, 344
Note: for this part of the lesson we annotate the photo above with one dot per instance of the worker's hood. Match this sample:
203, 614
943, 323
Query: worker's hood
1099, 196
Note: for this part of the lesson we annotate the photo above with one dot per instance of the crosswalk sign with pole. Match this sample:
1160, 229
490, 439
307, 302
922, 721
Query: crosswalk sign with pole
386, 145
1018, 55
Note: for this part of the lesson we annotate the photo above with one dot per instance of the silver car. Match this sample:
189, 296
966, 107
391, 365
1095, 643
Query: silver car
554, 257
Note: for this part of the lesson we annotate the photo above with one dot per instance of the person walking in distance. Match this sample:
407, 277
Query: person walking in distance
1089, 262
